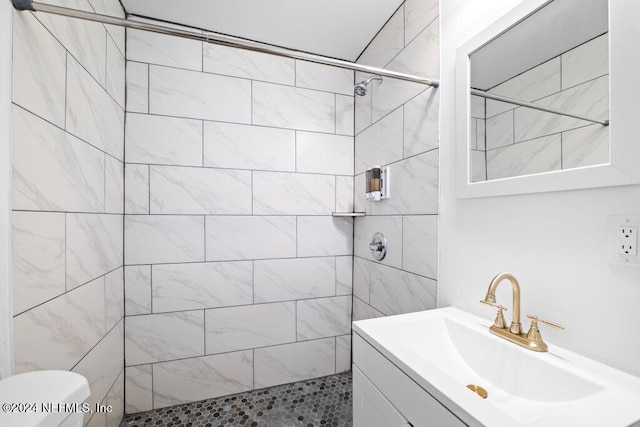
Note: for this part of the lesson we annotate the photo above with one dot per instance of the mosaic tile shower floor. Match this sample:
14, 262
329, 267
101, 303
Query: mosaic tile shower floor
326, 401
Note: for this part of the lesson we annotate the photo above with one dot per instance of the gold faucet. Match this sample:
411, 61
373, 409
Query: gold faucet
532, 339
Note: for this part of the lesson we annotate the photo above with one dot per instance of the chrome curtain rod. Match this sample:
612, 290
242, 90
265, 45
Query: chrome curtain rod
216, 38
484, 94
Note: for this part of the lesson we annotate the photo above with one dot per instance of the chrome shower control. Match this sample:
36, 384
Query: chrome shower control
378, 247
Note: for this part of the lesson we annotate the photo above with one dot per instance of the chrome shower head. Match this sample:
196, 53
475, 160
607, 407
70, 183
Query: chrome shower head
360, 89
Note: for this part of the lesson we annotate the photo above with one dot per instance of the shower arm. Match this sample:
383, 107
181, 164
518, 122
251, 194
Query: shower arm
217, 38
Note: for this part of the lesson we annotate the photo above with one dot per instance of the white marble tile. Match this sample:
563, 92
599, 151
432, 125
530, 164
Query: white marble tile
247, 64
114, 297
324, 235
294, 362
324, 77
499, 130
160, 337
97, 420
137, 87
344, 194
420, 245
163, 140
293, 108
57, 334
421, 123
362, 108
477, 107
201, 378
137, 282
363, 311
344, 275
115, 399
345, 110
37, 258
138, 389
184, 93
161, 49
136, 196
250, 237
414, 187
478, 166
295, 278
481, 134
92, 115
178, 287
323, 317
324, 153
53, 170
525, 158
94, 246
417, 15
116, 71
586, 146
361, 278
113, 185
381, 143
590, 99
249, 326
586, 62
112, 8
189, 190
390, 227
343, 353
282, 193
155, 239
360, 203
473, 131
395, 291
35, 50
228, 145
387, 43
103, 364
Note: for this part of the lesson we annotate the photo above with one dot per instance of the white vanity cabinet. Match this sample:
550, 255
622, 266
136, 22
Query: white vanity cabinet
384, 396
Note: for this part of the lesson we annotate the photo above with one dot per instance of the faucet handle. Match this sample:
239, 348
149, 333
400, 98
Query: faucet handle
499, 322
534, 333
493, 304
535, 319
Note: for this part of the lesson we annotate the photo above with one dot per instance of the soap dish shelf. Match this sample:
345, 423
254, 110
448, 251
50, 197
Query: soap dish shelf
348, 214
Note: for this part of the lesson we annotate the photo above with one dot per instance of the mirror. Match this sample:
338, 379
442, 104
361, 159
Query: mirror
540, 100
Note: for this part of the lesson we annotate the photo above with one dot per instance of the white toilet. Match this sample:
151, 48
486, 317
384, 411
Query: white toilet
45, 389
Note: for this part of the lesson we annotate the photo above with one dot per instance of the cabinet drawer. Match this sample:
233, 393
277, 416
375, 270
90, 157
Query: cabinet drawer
370, 407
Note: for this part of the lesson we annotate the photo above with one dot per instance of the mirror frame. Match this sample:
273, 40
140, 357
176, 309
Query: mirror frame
624, 111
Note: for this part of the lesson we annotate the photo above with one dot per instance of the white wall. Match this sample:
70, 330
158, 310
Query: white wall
554, 243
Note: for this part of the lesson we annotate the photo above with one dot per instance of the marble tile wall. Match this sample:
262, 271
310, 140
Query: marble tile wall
397, 125
236, 274
68, 199
511, 141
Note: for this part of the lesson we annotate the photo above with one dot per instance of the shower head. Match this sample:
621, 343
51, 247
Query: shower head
360, 89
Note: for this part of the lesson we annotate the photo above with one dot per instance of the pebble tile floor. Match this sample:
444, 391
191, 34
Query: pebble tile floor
323, 401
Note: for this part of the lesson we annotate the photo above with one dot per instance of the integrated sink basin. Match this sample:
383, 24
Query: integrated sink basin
447, 349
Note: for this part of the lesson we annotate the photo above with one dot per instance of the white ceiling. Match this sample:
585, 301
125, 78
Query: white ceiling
335, 28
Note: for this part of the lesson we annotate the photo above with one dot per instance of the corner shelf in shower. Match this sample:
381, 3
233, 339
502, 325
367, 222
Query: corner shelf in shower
348, 214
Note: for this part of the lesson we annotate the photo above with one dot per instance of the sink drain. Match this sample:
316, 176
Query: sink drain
478, 390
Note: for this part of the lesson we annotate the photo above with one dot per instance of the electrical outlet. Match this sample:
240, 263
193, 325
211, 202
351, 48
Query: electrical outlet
622, 239
628, 241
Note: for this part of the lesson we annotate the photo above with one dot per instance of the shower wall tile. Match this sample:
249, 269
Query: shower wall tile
420, 245
359, 195
418, 14
343, 353
190, 380
390, 226
161, 337
478, 107
250, 237
137, 87
92, 115
361, 278
295, 278
387, 43
52, 170
323, 317
136, 195
586, 146
381, 143
345, 114
499, 130
276, 193
182, 93
525, 158
114, 297
247, 64
478, 166
138, 389
294, 362
363, 311
324, 77
38, 258
293, 108
35, 49
250, 326
152, 239
115, 399
94, 246
137, 280
344, 194
154, 140
324, 153
211, 191
115, 78
112, 8
395, 291
228, 145
421, 123
160, 49
586, 62
113, 186
344, 275
179, 287
362, 108
324, 235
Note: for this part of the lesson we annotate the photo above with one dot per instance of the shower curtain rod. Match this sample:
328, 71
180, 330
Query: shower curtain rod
216, 38
484, 94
